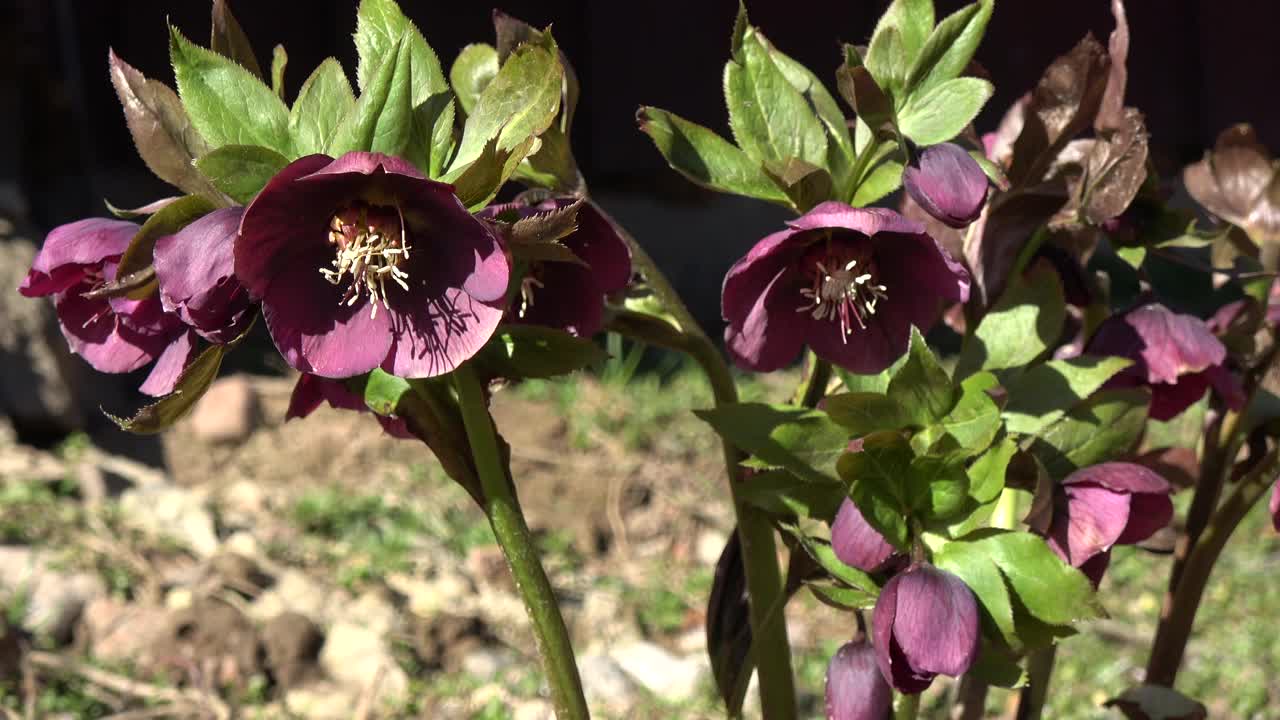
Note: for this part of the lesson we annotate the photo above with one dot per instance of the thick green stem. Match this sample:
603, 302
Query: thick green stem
907, 707
503, 509
814, 387
970, 699
771, 646
1174, 631
1039, 672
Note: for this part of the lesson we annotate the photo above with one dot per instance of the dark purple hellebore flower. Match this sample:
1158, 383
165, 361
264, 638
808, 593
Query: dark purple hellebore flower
947, 183
567, 295
195, 271
1098, 507
848, 282
114, 335
311, 390
925, 624
856, 543
855, 688
1175, 355
362, 262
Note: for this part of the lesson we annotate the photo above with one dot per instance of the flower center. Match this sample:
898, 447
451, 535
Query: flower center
844, 290
371, 245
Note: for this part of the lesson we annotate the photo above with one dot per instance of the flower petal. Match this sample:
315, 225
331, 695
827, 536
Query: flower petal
70, 248
1121, 477
1148, 513
1174, 344
95, 333
855, 688
936, 623
1090, 521
169, 367
439, 331
947, 183
772, 334
855, 542
868, 221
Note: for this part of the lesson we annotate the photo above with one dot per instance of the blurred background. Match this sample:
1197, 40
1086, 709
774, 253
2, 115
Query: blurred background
238, 563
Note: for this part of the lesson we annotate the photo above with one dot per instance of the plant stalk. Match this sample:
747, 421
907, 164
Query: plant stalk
1176, 622
814, 387
770, 643
1039, 671
907, 707
503, 509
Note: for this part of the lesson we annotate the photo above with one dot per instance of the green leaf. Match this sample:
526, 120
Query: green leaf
840, 145
987, 473
553, 166
823, 554
997, 667
380, 26
1041, 395
162, 132
884, 179
862, 413
804, 441
477, 183
943, 111
843, 598
241, 171
949, 48
974, 421
1103, 428
229, 40
805, 184
770, 119
782, 494
886, 60
963, 560
535, 351
1020, 327
432, 143
706, 158
382, 119
325, 99
279, 60
472, 72
226, 103
877, 383
914, 21
166, 221
191, 386
921, 387
878, 485
521, 102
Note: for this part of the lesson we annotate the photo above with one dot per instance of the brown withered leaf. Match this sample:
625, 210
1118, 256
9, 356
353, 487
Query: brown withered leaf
545, 227
994, 240
1103, 174
1111, 113
861, 92
229, 40
161, 130
1064, 103
1239, 182
805, 183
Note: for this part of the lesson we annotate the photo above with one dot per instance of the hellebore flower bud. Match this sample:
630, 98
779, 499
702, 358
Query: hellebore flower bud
1098, 507
856, 543
1175, 355
925, 624
855, 688
848, 282
947, 183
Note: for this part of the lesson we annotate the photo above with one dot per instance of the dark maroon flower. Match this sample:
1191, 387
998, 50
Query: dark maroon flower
948, 183
1098, 507
361, 262
114, 335
311, 390
925, 624
855, 688
856, 543
1175, 355
848, 282
195, 271
567, 295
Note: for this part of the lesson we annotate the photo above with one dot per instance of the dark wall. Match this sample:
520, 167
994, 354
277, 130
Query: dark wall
1194, 68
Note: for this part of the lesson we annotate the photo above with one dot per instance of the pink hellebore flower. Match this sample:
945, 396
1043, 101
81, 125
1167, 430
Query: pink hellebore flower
925, 624
1175, 355
855, 688
362, 262
848, 282
1098, 507
114, 335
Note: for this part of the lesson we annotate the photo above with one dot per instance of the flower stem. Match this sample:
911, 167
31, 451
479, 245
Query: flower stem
770, 644
503, 509
1039, 671
907, 707
1175, 625
814, 387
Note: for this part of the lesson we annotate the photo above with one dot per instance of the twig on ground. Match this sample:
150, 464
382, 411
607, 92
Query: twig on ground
125, 686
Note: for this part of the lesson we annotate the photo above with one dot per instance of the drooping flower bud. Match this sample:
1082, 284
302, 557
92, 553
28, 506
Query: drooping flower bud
925, 624
855, 688
947, 183
856, 543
